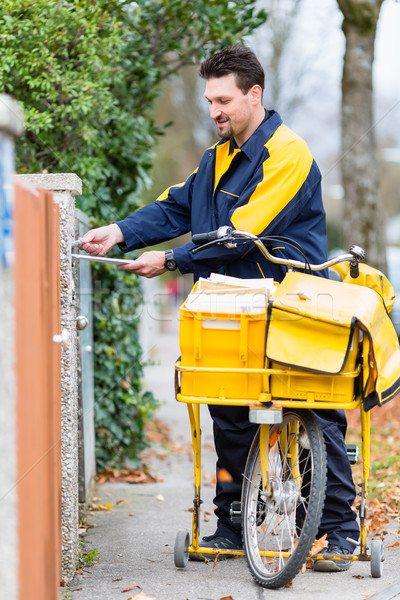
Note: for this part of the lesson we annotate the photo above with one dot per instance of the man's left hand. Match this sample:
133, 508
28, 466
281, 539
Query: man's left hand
149, 264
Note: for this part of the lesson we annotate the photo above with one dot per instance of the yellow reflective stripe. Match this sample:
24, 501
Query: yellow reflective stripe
284, 172
258, 265
229, 194
164, 195
223, 160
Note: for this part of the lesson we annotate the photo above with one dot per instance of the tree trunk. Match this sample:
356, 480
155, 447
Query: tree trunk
363, 216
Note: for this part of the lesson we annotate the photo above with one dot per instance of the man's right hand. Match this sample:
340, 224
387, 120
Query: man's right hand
97, 242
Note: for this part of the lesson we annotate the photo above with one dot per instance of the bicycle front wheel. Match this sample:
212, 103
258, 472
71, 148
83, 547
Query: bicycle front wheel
282, 510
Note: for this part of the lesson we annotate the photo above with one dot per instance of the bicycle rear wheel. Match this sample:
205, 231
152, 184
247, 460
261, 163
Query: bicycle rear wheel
280, 521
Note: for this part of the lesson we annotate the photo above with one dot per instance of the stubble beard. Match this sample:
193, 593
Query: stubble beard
228, 134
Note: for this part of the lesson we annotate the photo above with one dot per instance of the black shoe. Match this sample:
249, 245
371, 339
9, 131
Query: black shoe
329, 565
217, 542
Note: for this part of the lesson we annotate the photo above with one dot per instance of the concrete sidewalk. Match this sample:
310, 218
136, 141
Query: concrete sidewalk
136, 538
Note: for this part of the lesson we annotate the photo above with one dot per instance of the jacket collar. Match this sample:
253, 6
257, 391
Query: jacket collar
264, 131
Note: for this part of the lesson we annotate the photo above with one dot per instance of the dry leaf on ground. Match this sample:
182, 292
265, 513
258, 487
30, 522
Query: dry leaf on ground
215, 561
130, 587
101, 506
394, 545
318, 545
127, 475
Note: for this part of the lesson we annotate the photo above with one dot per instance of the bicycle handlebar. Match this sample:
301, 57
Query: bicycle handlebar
211, 236
228, 236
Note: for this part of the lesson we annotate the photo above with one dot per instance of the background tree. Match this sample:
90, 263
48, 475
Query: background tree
87, 75
364, 219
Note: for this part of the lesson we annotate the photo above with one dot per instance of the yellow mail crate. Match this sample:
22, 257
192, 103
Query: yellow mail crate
231, 340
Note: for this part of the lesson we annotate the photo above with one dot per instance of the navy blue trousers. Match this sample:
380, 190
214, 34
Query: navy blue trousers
233, 435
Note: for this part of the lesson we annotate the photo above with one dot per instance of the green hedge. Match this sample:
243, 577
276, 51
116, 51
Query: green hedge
87, 74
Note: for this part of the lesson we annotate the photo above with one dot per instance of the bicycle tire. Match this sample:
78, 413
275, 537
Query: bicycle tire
287, 520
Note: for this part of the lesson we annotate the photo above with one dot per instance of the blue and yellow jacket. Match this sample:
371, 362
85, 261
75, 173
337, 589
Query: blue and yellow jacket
271, 185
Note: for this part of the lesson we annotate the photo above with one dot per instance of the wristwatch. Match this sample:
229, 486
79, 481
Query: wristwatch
170, 262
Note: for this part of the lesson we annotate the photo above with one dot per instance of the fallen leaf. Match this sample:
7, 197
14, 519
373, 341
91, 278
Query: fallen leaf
121, 501
358, 576
318, 545
117, 578
224, 475
215, 561
130, 587
127, 475
131, 514
101, 506
85, 525
289, 584
226, 598
394, 545
79, 571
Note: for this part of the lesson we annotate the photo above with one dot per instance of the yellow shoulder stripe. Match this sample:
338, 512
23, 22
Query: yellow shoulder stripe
164, 195
284, 172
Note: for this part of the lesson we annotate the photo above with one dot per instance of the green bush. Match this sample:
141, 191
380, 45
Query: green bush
87, 74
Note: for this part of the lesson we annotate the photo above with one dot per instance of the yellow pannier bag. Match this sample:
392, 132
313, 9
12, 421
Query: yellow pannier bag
317, 325
371, 278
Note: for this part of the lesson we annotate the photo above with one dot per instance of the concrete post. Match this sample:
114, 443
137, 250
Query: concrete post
11, 125
65, 186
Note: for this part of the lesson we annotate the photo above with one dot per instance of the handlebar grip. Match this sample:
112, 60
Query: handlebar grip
203, 238
354, 270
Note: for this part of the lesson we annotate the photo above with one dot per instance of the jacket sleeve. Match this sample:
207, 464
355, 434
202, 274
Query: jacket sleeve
210, 259
168, 217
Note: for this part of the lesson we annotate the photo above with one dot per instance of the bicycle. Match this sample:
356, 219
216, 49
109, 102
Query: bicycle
284, 480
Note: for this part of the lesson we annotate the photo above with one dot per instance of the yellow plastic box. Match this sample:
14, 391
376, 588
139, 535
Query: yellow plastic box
231, 338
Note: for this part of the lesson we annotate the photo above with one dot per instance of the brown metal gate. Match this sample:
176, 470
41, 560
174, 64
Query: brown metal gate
37, 302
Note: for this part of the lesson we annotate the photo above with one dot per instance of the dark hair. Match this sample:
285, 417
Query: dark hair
240, 61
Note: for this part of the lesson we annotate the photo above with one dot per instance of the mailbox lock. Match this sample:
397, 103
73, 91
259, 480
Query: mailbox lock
81, 322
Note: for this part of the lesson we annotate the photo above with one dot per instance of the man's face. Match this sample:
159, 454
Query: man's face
233, 111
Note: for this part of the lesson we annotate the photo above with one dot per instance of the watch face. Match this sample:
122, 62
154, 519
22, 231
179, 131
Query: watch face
171, 265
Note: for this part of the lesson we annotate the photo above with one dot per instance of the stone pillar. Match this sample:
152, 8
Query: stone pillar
11, 125
65, 186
